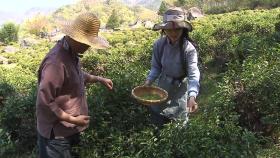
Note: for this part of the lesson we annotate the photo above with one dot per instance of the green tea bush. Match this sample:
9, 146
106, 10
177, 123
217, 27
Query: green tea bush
257, 96
120, 127
120, 121
29, 58
126, 63
244, 45
234, 36
201, 139
9, 33
19, 79
17, 121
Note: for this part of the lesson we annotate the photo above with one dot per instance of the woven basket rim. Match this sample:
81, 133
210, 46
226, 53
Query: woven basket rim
149, 102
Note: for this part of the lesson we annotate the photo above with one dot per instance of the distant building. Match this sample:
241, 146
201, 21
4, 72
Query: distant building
194, 13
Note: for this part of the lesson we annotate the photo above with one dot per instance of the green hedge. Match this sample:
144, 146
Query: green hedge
120, 127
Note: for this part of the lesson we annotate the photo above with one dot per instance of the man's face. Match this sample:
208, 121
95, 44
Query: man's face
81, 48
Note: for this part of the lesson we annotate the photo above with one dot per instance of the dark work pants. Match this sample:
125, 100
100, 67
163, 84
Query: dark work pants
57, 148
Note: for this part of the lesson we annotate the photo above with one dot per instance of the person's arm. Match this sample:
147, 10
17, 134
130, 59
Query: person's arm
193, 77
93, 79
52, 78
155, 65
193, 71
90, 78
80, 120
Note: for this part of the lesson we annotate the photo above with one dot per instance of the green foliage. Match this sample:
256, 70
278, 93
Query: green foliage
273, 151
233, 37
257, 93
38, 25
9, 33
18, 123
181, 2
113, 21
17, 78
103, 10
212, 140
17, 109
245, 47
247, 94
163, 7
224, 6
120, 113
29, 58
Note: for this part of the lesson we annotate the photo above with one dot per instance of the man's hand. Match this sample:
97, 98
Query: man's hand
81, 120
192, 105
106, 82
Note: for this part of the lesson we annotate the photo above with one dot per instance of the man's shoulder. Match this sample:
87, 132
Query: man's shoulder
55, 56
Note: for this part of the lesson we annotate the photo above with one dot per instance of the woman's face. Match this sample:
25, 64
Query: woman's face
173, 34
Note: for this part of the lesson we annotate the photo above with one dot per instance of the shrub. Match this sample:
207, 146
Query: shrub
38, 25
113, 21
9, 33
120, 127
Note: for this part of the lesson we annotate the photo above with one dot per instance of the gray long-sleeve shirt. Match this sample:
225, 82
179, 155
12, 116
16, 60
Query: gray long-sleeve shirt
170, 63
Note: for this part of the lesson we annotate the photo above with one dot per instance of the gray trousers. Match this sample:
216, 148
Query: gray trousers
57, 148
175, 107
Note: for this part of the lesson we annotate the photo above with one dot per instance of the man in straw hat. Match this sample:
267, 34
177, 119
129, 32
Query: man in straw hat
61, 107
175, 64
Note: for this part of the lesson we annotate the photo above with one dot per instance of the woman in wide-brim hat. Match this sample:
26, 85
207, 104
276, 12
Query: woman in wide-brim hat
84, 29
174, 64
174, 18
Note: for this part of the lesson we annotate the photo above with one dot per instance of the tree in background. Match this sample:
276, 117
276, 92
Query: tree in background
38, 25
9, 33
113, 21
163, 7
186, 4
182, 2
221, 6
108, 2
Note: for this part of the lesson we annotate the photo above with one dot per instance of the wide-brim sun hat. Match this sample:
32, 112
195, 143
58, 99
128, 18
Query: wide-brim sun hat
84, 29
174, 18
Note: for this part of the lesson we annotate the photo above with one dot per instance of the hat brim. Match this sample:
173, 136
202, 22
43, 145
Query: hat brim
96, 42
173, 25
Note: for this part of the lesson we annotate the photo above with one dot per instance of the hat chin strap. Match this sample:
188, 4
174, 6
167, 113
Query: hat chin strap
174, 18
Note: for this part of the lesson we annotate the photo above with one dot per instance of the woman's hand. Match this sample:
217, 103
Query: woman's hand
192, 105
147, 83
106, 82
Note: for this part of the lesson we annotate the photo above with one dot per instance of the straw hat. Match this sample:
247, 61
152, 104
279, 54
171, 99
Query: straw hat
84, 29
174, 18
